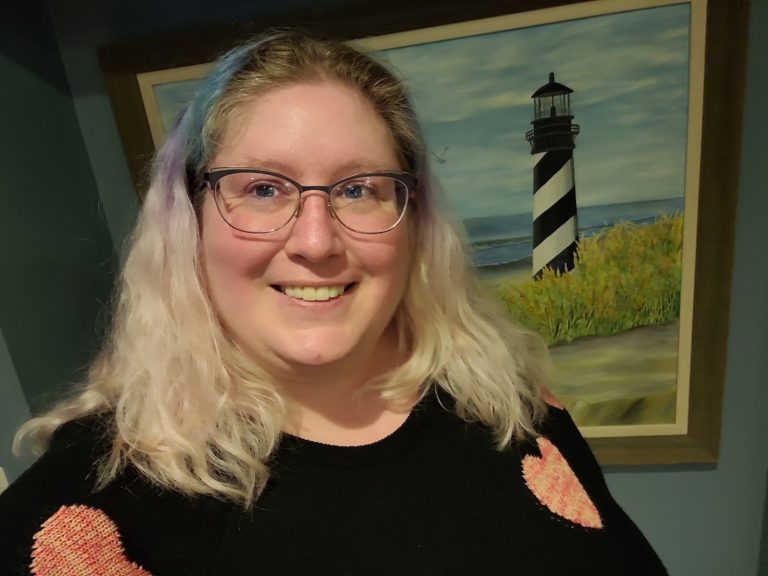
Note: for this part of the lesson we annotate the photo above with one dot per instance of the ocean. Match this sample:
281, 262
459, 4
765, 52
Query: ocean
497, 240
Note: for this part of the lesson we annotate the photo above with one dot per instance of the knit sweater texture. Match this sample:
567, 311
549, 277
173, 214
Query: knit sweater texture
433, 498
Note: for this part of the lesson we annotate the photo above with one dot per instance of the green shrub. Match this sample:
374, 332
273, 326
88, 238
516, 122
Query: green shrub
626, 276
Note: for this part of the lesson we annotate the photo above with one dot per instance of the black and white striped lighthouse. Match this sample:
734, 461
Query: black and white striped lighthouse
555, 220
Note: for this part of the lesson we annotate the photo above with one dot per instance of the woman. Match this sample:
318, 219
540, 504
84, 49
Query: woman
302, 377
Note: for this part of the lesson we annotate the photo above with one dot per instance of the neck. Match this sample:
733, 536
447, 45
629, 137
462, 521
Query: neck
331, 404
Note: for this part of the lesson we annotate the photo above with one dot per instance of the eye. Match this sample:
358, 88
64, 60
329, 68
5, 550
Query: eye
357, 190
266, 189
263, 190
354, 191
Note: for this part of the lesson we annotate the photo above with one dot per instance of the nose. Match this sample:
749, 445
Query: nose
314, 235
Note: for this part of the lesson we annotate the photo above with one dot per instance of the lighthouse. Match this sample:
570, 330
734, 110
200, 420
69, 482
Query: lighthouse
555, 220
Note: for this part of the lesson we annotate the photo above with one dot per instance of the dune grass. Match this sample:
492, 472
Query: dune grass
626, 276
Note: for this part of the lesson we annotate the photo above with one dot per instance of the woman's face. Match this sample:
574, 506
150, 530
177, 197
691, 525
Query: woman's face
316, 134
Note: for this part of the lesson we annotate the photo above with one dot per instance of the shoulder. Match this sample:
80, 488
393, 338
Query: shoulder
561, 437
74, 448
560, 428
64, 474
129, 526
553, 492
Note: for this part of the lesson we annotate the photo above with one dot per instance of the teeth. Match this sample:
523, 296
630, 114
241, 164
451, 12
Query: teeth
312, 294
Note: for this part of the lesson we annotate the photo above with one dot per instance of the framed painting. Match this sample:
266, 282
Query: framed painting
591, 150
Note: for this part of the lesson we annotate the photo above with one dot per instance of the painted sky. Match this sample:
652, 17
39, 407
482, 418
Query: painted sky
629, 73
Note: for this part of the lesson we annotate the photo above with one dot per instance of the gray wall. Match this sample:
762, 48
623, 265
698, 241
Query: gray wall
703, 520
55, 250
763, 568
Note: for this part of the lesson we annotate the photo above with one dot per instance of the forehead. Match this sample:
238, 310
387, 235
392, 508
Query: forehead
304, 125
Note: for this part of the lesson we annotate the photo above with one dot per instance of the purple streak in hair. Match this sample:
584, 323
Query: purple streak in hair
169, 166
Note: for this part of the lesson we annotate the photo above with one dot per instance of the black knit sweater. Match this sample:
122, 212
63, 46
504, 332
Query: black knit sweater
433, 498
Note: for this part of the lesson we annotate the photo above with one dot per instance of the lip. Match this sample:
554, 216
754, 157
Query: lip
313, 284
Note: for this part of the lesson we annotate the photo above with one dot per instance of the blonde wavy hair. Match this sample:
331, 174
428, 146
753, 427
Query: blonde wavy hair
183, 404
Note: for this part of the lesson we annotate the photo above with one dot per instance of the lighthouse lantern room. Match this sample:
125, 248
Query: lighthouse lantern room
553, 127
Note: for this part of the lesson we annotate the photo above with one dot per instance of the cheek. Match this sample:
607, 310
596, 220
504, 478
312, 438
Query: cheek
230, 262
232, 259
391, 263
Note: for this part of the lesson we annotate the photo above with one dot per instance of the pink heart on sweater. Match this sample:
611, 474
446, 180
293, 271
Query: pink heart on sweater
81, 541
554, 483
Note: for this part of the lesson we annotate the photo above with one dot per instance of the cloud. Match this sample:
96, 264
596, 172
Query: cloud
601, 57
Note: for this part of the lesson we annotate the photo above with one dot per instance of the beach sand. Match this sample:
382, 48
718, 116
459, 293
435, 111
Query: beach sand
625, 379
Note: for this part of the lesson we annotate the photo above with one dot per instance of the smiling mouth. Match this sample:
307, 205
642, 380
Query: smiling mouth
314, 293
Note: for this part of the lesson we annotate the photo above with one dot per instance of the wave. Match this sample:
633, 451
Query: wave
506, 239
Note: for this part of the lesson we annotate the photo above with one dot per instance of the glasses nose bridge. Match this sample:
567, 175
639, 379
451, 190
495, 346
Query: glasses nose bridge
326, 189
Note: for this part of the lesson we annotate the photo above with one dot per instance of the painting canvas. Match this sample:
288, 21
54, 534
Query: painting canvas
618, 318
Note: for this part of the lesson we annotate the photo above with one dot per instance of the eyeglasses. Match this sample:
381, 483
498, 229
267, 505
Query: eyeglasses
259, 201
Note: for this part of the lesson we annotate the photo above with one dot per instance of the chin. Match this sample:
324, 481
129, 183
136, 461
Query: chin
303, 350
330, 349
314, 358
